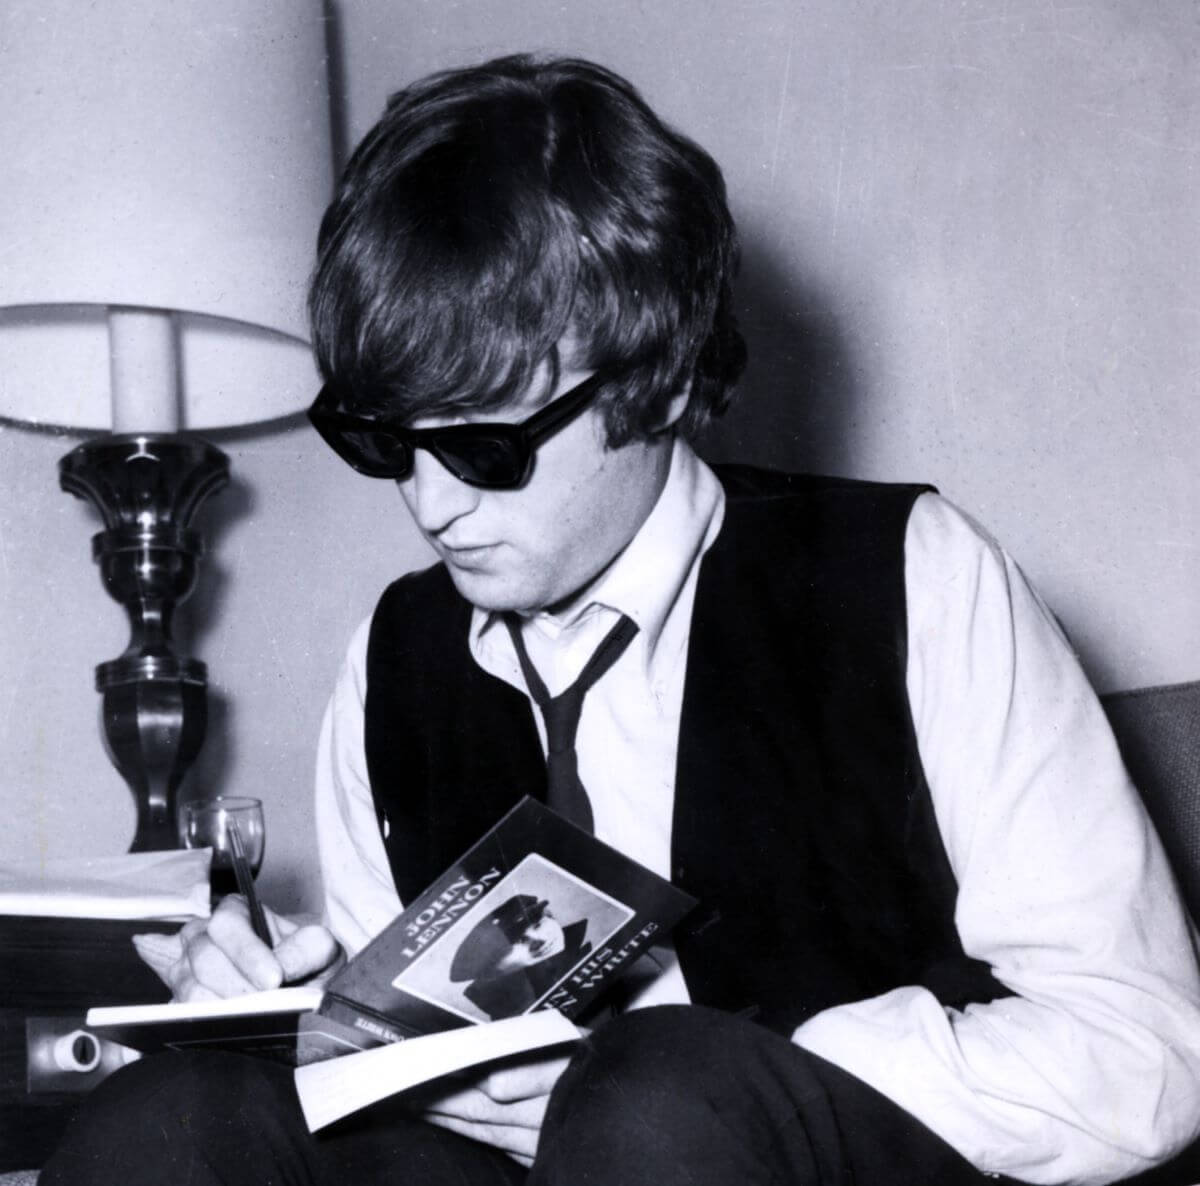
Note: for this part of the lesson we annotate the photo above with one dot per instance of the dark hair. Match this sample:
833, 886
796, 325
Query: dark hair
494, 210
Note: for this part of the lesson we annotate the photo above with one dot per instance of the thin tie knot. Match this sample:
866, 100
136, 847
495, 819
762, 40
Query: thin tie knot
561, 714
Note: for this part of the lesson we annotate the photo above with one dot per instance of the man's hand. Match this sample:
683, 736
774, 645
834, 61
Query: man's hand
503, 1108
222, 957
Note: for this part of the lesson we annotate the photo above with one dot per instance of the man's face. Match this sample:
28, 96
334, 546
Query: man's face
539, 941
536, 547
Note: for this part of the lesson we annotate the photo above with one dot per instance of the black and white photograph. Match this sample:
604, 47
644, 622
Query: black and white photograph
620, 582
517, 944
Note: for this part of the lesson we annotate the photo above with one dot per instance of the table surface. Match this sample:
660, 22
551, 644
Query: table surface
58, 967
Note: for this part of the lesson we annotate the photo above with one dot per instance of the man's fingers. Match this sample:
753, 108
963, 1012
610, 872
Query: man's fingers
189, 989
221, 956
467, 1103
205, 965
306, 951
230, 930
504, 1108
518, 1142
187, 960
532, 1079
472, 1106
160, 952
210, 976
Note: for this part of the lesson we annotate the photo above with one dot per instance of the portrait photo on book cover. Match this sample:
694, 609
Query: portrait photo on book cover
518, 942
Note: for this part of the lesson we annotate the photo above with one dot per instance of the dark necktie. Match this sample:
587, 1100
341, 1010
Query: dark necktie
564, 792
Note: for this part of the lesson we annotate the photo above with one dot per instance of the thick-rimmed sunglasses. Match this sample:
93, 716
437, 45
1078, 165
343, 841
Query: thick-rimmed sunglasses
492, 456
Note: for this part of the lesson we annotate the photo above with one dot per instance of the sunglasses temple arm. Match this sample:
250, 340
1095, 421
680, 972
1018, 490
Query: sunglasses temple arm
543, 423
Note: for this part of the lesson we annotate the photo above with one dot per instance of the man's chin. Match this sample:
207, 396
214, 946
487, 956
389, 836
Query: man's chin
491, 592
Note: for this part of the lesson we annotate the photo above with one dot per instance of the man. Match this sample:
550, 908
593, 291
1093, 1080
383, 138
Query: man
516, 954
938, 939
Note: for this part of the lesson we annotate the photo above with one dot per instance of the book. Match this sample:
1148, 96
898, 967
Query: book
333, 1088
537, 917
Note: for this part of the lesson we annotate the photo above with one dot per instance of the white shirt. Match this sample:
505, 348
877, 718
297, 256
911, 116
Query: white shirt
1092, 1071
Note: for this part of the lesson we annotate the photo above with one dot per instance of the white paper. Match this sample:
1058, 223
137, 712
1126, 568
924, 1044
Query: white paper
139, 885
330, 1090
278, 1000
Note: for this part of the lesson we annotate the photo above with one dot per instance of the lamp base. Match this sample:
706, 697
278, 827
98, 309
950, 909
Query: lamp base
147, 488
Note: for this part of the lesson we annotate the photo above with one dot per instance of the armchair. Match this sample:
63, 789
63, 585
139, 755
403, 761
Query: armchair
1158, 730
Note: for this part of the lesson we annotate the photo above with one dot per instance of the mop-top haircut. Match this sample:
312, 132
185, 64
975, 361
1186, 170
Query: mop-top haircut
497, 211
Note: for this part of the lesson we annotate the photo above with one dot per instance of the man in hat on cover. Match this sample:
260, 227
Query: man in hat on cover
516, 955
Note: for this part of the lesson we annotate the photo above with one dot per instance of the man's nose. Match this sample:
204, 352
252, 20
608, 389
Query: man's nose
434, 496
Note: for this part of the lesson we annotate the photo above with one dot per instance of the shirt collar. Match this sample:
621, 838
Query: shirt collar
646, 579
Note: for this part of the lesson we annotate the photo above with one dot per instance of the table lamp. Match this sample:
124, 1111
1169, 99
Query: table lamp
165, 168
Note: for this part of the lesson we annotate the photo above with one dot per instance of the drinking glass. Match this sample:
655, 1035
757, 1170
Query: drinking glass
210, 823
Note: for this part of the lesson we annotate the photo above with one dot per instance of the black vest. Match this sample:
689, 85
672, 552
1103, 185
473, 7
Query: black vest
802, 821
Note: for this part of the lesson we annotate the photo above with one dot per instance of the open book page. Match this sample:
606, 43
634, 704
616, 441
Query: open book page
279, 1000
330, 1090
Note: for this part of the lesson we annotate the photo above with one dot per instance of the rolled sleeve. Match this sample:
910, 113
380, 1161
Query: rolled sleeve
1091, 1072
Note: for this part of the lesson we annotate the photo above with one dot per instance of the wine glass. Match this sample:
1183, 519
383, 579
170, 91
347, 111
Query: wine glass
223, 824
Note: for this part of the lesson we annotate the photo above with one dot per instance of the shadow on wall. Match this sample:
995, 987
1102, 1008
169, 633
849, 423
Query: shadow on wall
804, 397
799, 399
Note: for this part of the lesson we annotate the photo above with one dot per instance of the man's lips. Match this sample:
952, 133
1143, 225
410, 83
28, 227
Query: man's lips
464, 549
464, 554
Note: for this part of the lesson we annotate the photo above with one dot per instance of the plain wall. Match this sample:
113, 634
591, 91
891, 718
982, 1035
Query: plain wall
971, 256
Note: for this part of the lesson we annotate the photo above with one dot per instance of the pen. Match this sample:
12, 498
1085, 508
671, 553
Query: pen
245, 883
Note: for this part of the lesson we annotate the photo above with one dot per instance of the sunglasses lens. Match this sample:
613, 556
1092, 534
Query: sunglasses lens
493, 456
378, 454
483, 458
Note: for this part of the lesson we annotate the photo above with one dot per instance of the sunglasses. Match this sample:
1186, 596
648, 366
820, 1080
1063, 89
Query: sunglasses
490, 456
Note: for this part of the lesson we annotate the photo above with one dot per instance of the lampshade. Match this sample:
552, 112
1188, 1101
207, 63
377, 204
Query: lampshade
165, 164
160, 155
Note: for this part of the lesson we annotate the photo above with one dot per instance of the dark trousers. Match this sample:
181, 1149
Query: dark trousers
664, 1096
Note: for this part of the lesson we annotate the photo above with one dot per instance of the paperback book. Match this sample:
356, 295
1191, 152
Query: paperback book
538, 916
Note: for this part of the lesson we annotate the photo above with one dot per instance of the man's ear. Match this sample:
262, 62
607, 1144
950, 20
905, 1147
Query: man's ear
676, 407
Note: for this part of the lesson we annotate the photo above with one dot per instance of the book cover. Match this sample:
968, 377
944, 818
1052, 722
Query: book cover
537, 915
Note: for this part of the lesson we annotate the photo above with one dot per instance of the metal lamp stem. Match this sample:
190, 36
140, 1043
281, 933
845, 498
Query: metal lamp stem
147, 488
